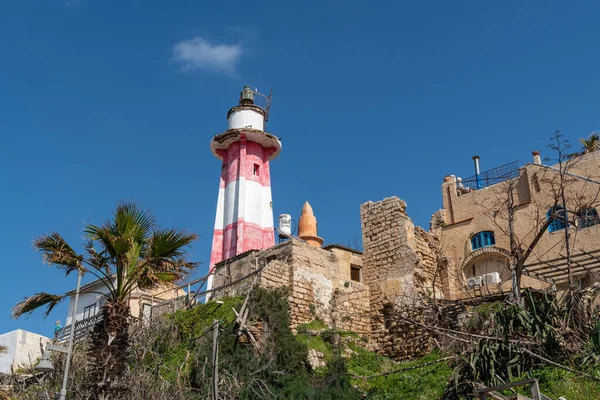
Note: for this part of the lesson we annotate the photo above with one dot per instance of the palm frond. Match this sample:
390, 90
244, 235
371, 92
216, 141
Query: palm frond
97, 260
29, 304
151, 280
102, 235
131, 220
592, 143
57, 252
170, 243
3, 349
158, 272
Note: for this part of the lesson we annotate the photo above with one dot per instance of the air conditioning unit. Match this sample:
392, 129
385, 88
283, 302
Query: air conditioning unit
474, 281
494, 277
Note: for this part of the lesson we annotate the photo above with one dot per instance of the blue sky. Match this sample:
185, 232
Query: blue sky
108, 100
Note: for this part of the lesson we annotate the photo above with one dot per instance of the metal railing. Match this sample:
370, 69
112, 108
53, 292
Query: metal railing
82, 328
490, 177
171, 305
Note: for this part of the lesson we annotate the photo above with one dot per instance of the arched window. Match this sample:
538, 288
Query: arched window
587, 216
556, 215
482, 239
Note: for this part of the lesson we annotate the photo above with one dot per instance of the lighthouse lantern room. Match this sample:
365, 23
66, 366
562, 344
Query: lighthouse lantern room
244, 219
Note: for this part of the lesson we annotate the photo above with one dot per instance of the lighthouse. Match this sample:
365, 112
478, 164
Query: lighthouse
244, 218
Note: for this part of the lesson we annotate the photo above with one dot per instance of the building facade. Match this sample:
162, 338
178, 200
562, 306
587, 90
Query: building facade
142, 305
475, 233
23, 349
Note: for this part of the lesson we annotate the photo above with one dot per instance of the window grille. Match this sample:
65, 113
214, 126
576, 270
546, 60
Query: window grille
587, 216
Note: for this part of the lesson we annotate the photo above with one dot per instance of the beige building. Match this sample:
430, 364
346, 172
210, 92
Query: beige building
91, 297
474, 225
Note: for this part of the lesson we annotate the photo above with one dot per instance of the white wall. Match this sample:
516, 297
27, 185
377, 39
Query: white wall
23, 349
246, 118
6, 359
85, 299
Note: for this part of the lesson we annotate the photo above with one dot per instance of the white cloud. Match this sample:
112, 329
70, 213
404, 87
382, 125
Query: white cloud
200, 54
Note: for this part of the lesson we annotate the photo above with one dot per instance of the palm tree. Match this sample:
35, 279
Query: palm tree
592, 143
127, 252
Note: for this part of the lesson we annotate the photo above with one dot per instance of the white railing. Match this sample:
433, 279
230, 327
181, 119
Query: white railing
82, 328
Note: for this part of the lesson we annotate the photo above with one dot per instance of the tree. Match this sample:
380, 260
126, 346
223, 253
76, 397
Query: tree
127, 252
591, 143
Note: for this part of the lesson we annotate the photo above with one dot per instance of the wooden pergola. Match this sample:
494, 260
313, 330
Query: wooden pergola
556, 270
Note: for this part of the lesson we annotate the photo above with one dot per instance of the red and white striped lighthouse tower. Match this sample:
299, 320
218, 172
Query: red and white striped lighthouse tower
244, 219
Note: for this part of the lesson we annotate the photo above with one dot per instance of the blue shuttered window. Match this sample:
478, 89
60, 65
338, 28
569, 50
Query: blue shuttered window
557, 217
482, 239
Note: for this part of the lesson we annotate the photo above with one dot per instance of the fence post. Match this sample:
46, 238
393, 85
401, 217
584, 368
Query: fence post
189, 296
215, 361
535, 390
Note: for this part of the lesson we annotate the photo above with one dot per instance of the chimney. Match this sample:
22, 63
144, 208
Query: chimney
476, 162
536, 157
307, 227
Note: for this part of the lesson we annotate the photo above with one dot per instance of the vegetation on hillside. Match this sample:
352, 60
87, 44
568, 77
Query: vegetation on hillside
127, 252
171, 358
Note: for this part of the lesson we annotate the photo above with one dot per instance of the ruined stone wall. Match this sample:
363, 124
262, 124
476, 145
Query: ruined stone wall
317, 279
400, 264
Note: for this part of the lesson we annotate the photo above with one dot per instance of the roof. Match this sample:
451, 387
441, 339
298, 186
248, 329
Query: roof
236, 257
88, 285
339, 246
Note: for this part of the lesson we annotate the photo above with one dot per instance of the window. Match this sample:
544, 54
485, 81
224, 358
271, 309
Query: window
355, 273
147, 311
556, 216
587, 216
256, 170
482, 239
89, 311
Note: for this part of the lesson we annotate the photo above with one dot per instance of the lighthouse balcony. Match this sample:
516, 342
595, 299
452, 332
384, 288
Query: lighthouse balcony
223, 140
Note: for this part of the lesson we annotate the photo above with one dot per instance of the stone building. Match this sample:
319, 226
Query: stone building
473, 227
324, 283
345, 288
465, 253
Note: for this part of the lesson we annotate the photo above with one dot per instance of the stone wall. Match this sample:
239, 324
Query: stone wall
318, 281
400, 266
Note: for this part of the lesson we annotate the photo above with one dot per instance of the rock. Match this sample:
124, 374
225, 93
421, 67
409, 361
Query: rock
315, 359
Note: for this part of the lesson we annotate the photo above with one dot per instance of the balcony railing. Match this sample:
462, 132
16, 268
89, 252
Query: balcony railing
489, 178
82, 328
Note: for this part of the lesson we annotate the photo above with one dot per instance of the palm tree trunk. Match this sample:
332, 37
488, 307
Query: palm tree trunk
109, 351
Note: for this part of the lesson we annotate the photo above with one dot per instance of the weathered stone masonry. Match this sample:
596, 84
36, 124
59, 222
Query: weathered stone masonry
318, 281
400, 262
